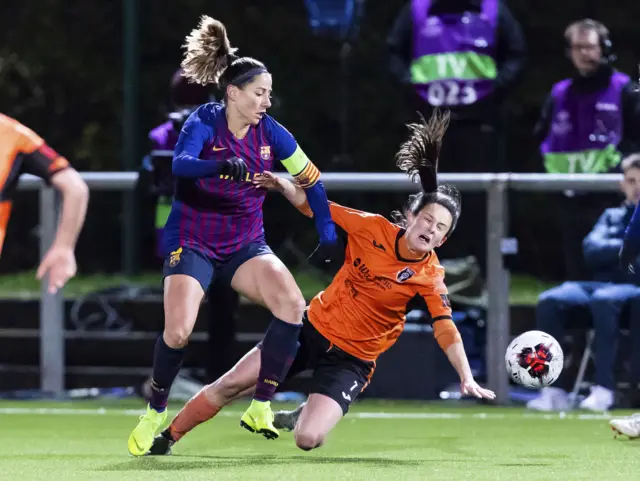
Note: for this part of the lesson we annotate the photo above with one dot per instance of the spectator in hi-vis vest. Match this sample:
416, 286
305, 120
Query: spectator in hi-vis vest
587, 124
590, 120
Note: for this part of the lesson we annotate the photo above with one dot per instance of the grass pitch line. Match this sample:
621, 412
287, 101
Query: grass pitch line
356, 415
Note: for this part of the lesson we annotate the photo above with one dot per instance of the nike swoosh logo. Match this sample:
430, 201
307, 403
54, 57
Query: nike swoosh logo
216, 149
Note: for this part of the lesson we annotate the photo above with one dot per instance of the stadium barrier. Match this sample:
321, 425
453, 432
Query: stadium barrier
52, 368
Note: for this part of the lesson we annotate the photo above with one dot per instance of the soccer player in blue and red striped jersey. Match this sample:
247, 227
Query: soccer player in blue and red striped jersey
215, 226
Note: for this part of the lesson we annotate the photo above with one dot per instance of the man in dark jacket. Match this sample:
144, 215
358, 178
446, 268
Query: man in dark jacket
604, 299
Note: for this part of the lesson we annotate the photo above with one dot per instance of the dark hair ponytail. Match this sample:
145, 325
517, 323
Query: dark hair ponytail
418, 157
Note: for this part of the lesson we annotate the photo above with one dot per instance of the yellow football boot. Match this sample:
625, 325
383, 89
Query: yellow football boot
141, 438
259, 419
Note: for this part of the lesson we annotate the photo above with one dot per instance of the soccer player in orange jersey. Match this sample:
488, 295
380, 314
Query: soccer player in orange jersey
362, 312
22, 151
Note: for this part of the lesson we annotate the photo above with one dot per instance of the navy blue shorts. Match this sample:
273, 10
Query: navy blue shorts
202, 268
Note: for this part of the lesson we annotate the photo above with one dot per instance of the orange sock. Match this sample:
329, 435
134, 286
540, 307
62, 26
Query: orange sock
198, 410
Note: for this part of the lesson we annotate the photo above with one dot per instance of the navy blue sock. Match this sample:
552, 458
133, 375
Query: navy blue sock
166, 365
279, 349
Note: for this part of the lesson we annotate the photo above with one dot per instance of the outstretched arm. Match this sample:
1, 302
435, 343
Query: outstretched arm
449, 340
75, 199
349, 219
292, 192
59, 263
37, 158
307, 176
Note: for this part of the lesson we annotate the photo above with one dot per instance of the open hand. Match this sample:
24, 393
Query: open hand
59, 264
469, 387
266, 180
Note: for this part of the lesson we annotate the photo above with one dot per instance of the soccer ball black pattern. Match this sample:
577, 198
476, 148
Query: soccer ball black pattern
536, 360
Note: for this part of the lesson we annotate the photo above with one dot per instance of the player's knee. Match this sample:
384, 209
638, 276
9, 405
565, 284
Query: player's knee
308, 439
547, 298
549, 302
609, 299
288, 306
283, 297
178, 324
176, 336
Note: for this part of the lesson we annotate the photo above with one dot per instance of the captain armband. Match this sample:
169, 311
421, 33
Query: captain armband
304, 172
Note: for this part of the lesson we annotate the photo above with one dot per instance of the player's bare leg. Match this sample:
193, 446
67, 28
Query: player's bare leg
319, 416
236, 383
267, 281
182, 297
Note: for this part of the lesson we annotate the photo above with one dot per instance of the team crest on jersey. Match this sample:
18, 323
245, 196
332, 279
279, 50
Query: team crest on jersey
174, 257
405, 274
265, 152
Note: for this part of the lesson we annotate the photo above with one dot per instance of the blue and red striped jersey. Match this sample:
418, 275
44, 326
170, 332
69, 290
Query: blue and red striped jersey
218, 216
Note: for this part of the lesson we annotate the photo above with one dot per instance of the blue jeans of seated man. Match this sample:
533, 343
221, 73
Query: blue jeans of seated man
599, 303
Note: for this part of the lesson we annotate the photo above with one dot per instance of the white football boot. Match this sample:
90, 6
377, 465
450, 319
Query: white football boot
629, 426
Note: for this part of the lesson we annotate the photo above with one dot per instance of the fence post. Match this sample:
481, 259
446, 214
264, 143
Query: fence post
498, 325
51, 305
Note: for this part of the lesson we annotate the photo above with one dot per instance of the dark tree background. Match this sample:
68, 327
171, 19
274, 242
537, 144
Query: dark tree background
61, 70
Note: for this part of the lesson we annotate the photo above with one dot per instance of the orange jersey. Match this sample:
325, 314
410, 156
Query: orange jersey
363, 310
22, 151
